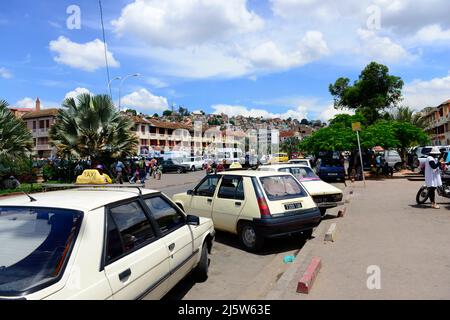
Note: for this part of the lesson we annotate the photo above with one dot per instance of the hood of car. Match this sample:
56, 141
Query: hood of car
319, 187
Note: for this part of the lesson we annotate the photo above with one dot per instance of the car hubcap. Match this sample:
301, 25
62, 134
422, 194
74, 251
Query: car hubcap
249, 237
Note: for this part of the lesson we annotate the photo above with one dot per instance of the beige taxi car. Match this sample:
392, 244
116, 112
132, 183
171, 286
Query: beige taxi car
324, 194
253, 204
98, 243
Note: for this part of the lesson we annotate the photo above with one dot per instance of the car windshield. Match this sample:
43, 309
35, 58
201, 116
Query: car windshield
35, 244
282, 187
329, 162
304, 174
425, 151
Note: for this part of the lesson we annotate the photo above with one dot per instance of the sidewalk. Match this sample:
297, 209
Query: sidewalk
382, 227
174, 179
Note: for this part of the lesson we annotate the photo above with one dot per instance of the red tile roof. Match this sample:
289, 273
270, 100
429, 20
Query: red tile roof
40, 114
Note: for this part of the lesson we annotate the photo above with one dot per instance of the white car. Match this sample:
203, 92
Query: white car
98, 243
255, 205
194, 163
303, 162
324, 194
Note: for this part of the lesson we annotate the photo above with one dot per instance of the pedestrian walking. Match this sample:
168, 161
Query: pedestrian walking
119, 167
433, 175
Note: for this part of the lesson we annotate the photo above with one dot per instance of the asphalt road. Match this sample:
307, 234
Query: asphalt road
235, 273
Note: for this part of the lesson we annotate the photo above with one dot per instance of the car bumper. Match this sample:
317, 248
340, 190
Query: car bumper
287, 224
329, 204
331, 175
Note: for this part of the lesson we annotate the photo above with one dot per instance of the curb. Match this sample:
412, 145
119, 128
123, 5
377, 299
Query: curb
331, 233
306, 282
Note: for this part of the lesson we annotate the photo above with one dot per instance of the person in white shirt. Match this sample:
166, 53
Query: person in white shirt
433, 175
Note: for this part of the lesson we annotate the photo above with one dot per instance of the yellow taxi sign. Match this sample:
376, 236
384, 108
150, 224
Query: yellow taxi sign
92, 176
356, 126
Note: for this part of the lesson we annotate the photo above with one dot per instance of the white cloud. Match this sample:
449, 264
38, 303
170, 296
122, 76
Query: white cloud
145, 100
88, 56
432, 33
330, 112
157, 83
235, 110
419, 94
4, 73
75, 93
179, 23
268, 55
381, 48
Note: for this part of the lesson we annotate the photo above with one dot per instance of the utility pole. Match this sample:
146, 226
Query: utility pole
356, 126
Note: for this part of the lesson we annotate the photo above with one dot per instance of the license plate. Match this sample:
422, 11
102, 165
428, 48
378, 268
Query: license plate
293, 206
332, 174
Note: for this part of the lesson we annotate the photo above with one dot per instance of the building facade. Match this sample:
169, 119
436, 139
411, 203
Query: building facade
438, 120
39, 122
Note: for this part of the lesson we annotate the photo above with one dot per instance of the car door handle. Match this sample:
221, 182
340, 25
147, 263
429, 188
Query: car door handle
172, 246
124, 275
238, 203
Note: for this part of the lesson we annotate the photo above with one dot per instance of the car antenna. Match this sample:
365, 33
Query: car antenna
30, 197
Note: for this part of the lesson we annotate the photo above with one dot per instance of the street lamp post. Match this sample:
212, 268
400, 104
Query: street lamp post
121, 83
109, 86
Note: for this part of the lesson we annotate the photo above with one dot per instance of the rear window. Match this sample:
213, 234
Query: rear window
282, 187
425, 151
35, 245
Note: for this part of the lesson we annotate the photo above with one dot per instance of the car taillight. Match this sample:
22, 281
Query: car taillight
263, 207
262, 203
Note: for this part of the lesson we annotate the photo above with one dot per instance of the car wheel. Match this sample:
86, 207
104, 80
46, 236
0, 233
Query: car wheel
251, 240
179, 170
422, 195
193, 168
201, 270
398, 167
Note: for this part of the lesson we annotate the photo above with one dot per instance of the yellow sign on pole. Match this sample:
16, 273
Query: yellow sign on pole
356, 126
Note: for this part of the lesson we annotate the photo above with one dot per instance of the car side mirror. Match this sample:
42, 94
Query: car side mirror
193, 220
190, 192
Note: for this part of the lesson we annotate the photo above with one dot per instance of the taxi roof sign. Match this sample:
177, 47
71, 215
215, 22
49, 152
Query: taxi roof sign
93, 176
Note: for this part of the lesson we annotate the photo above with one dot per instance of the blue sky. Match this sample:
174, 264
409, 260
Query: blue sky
254, 57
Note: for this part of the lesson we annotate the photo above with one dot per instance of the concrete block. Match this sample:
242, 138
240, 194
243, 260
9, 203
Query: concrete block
331, 233
306, 282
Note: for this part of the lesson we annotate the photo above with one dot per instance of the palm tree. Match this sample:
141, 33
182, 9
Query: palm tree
290, 145
92, 128
15, 138
406, 114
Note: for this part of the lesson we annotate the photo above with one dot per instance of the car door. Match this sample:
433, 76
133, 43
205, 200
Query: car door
202, 197
176, 234
228, 203
136, 259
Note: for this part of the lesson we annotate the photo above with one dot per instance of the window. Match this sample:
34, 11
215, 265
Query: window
166, 216
302, 173
34, 125
35, 245
231, 187
207, 187
128, 225
282, 187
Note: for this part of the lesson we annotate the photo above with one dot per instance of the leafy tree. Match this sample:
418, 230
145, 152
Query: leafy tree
167, 113
290, 145
132, 112
374, 92
15, 138
304, 122
184, 112
155, 115
92, 128
406, 114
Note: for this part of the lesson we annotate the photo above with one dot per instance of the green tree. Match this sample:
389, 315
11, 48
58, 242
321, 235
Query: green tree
374, 92
155, 115
167, 113
406, 114
15, 138
91, 127
290, 145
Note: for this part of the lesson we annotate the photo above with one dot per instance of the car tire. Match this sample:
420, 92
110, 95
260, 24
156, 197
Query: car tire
193, 168
422, 195
179, 170
250, 239
201, 270
398, 167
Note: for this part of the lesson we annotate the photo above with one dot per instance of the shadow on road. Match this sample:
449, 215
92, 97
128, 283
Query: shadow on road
271, 246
